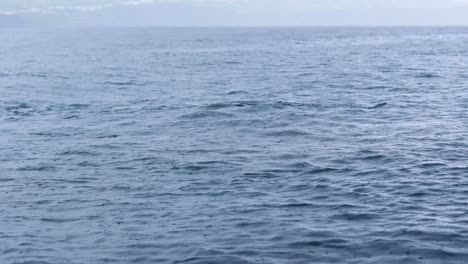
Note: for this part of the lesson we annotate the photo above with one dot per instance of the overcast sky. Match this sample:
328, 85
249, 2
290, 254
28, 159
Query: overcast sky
249, 12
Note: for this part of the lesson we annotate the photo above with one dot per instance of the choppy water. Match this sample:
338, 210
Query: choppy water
234, 145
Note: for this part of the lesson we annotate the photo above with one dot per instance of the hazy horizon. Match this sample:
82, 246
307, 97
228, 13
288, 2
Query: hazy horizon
233, 13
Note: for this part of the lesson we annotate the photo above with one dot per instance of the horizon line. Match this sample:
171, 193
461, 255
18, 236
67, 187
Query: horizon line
247, 26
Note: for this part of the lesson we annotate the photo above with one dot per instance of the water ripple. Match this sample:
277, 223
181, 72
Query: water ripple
234, 146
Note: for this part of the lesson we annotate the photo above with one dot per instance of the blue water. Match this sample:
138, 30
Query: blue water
293, 145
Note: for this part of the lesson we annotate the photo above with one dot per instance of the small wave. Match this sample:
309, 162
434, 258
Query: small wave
300, 165
214, 260
287, 133
216, 106
127, 83
233, 62
17, 106
215, 163
305, 244
263, 105
319, 171
286, 104
77, 106
379, 105
306, 74
204, 165
58, 220
236, 92
35, 262
260, 175
6, 179
108, 136
374, 157
50, 134
355, 216
10, 250
75, 181
432, 165
124, 168
376, 87
146, 246
34, 75
207, 114
71, 117
78, 153
294, 205
88, 164
38, 168
418, 194
427, 75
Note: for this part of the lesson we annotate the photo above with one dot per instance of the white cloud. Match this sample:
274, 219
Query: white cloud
9, 7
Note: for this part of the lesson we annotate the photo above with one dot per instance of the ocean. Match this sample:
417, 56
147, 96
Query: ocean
234, 145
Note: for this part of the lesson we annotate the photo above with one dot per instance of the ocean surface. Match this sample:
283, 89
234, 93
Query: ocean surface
261, 145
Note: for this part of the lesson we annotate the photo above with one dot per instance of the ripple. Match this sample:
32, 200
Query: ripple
295, 145
379, 105
287, 133
58, 220
207, 114
78, 153
38, 168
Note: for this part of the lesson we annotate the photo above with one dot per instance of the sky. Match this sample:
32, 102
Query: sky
235, 12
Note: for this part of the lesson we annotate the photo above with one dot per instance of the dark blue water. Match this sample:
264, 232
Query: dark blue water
328, 145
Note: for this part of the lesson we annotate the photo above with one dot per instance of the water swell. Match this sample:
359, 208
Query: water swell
259, 146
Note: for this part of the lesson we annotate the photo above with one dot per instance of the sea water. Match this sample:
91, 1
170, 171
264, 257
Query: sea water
234, 145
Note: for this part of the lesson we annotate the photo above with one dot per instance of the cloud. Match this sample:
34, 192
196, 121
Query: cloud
16, 7
47, 6
233, 12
